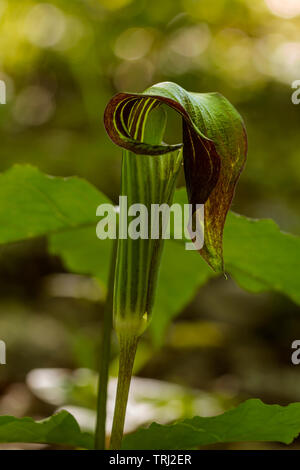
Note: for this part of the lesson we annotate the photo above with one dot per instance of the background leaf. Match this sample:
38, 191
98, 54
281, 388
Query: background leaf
250, 421
33, 204
61, 428
258, 255
82, 252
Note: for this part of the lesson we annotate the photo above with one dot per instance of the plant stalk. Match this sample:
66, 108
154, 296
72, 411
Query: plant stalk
128, 346
105, 356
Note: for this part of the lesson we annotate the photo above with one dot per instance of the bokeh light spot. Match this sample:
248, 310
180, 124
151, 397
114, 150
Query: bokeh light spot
133, 44
44, 25
284, 8
192, 41
34, 106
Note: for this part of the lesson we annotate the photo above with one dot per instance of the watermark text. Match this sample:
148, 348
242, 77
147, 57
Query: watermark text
159, 221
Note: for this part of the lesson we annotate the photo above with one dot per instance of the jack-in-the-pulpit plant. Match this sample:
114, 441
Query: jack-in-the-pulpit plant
213, 152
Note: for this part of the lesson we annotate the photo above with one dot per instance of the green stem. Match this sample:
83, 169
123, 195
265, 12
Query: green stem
128, 345
105, 356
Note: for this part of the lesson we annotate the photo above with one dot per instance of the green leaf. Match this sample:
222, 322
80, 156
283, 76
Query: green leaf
34, 204
250, 421
214, 148
82, 252
260, 257
61, 428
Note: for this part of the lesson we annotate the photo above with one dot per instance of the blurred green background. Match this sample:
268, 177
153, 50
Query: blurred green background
62, 61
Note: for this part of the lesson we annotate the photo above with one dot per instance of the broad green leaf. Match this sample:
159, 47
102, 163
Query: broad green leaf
250, 421
258, 255
33, 204
61, 428
214, 148
82, 252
